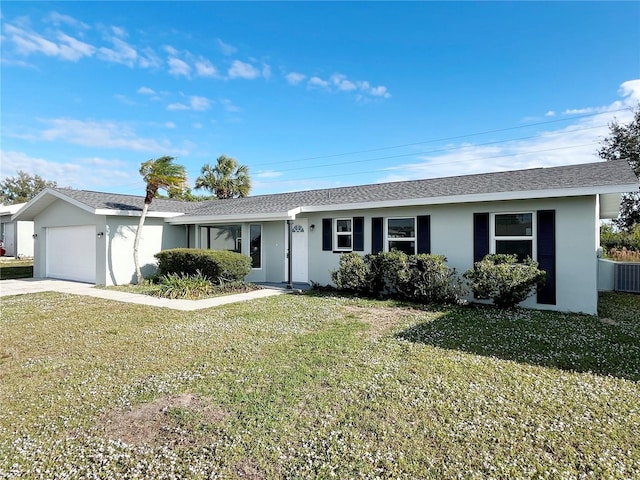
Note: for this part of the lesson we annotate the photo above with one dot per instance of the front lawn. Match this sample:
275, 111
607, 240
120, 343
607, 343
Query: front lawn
317, 386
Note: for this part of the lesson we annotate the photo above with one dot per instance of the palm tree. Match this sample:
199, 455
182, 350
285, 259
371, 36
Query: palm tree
227, 179
160, 173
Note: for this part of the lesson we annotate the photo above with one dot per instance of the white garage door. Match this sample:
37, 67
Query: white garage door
71, 253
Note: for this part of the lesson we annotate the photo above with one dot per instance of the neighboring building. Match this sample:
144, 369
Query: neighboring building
16, 236
550, 214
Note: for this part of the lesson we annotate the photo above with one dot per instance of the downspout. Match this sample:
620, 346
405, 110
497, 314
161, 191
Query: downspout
289, 256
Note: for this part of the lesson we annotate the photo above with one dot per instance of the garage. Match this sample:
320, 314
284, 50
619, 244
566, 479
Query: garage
71, 253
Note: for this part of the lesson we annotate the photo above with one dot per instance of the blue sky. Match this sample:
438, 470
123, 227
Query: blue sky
311, 95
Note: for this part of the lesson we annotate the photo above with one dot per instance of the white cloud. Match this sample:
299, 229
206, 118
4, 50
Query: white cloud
294, 78
575, 142
28, 42
229, 106
266, 71
341, 82
123, 99
93, 172
317, 82
550, 113
204, 68
194, 102
169, 125
121, 52
146, 91
630, 90
244, 70
111, 135
268, 174
177, 106
59, 19
379, 91
199, 103
225, 48
178, 67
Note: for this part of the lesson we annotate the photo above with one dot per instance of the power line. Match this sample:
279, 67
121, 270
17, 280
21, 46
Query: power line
441, 150
444, 139
360, 172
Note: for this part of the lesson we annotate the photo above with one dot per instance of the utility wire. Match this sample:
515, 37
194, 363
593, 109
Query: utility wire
442, 150
444, 139
386, 169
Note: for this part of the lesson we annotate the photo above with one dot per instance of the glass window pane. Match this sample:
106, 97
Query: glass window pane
522, 248
344, 241
407, 247
226, 237
514, 225
343, 225
255, 246
401, 228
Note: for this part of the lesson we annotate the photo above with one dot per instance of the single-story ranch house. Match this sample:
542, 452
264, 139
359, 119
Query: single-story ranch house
550, 214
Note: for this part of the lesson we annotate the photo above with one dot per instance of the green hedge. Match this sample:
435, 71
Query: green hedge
219, 266
420, 278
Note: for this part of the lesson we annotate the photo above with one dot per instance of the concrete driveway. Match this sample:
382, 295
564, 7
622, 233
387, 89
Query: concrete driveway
35, 285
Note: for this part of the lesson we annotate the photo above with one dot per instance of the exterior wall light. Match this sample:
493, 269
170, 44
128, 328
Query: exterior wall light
35, 235
100, 234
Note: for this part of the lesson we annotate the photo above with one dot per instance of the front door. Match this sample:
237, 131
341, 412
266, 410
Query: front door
300, 251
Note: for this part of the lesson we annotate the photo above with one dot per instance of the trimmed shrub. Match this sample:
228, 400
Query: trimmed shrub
501, 278
421, 278
218, 266
428, 279
352, 274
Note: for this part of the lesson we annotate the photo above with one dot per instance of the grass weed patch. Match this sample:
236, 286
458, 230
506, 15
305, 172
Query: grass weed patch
313, 386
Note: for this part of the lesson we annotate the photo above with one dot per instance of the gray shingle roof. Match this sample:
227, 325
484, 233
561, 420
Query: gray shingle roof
115, 201
589, 175
566, 177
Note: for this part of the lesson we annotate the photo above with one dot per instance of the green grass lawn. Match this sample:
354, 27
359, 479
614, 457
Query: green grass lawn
11, 268
313, 386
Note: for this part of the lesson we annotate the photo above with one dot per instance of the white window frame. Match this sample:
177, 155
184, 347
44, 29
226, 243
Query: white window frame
495, 238
337, 234
413, 239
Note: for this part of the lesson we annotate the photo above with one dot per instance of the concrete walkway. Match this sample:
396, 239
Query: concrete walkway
35, 285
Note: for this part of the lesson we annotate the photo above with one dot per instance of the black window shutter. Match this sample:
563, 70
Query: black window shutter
358, 234
547, 255
480, 236
424, 234
327, 234
377, 234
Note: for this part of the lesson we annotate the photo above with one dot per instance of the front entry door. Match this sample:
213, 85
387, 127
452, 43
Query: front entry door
300, 251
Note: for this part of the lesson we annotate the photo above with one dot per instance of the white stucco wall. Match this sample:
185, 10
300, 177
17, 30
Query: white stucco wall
452, 236
118, 246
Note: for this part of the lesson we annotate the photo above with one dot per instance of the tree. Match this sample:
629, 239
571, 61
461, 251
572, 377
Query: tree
22, 188
160, 173
227, 179
623, 143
